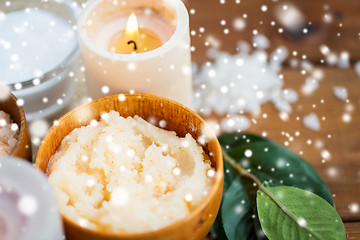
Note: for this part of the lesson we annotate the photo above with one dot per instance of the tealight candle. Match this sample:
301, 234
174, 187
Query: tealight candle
146, 52
134, 40
27, 204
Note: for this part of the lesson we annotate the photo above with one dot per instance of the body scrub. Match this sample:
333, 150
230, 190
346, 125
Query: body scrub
9, 132
128, 176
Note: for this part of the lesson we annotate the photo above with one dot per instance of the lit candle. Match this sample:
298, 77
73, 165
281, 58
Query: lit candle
152, 56
27, 204
134, 40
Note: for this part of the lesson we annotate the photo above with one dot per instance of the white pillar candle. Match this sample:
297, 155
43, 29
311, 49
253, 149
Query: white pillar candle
165, 71
27, 205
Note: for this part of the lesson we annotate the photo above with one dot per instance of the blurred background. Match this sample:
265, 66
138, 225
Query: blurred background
303, 26
323, 41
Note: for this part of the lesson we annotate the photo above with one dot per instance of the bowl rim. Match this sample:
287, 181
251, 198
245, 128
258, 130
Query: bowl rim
217, 184
22, 125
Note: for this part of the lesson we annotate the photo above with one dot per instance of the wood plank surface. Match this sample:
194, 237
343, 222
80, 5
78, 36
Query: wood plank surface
340, 31
352, 230
341, 171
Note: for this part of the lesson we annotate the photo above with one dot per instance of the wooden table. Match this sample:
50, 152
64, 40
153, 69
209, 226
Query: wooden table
341, 139
342, 171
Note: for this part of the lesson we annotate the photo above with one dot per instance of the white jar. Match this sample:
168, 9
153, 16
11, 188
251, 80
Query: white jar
38, 52
27, 204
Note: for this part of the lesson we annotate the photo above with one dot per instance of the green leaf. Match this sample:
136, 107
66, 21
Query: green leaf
291, 213
237, 213
290, 170
275, 164
230, 174
217, 229
233, 140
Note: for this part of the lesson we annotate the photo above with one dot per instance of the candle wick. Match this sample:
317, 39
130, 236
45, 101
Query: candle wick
135, 47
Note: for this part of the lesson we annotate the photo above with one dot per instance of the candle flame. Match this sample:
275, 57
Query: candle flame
132, 24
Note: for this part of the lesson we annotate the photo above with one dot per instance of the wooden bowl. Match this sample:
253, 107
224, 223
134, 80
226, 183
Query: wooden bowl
179, 119
23, 146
